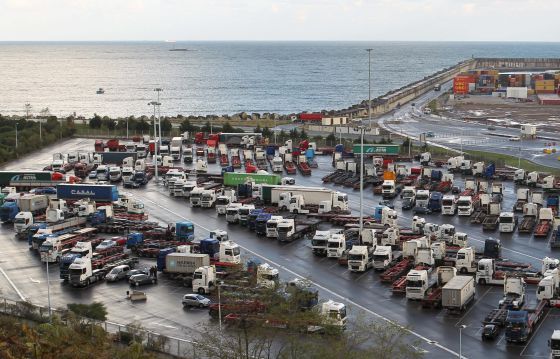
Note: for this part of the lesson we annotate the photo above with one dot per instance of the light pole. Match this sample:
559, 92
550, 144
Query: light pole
362, 130
369, 86
158, 90
220, 306
156, 146
460, 341
127, 128
49, 287
16, 135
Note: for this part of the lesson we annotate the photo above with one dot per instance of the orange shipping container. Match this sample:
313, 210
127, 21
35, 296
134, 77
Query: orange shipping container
389, 175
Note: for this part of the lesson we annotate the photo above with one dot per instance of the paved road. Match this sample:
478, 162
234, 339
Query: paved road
459, 134
365, 295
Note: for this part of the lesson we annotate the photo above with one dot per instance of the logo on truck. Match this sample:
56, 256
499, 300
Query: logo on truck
78, 192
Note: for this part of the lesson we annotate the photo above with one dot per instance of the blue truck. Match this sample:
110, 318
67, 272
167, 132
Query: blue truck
434, 203
253, 215
260, 223
99, 193
521, 323
8, 212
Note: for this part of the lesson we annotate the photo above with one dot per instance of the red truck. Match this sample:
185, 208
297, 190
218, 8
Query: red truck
99, 146
113, 144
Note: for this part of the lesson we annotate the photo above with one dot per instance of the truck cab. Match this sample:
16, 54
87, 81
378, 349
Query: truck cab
102, 173
232, 212
267, 276
434, 203
127, 174
187, 154
204, 279
360, 258
334, 314
196, 196
417, 283
388, 189
208, 198
22, 221
449, 205
446, 232
272, 226
422, 198
277, 164
465, 260
336, 245
319, 243
286, 229
514, 293
465, 206
221, 204
230, 252
382, 257
507, 222
554, 344
244, 212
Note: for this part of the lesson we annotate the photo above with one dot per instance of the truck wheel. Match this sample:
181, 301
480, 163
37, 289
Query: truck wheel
200, 290
295, 211
201, 305
482, 281
153, 281
463, 270
137, 284
284, 208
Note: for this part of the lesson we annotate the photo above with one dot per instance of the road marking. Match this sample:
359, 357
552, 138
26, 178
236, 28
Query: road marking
12, 284
165, 326
34, 280
472, 306
375, 314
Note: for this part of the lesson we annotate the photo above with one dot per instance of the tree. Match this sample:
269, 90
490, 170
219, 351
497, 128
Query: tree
95, 122
143, 126
186, 126
303, 134
258, 129
331, 139
207, 127
45, 112
266, 132
166, 126
95, 310
228, 128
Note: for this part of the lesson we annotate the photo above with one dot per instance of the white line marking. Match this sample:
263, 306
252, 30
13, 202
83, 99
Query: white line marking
12, 284
321, 287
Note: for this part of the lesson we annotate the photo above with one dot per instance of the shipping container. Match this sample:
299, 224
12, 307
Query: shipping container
234, 178
458, 293
7, 176
100, 193
116, 157
185, 263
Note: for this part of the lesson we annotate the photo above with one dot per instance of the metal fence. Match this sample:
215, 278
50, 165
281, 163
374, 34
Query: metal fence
153, 341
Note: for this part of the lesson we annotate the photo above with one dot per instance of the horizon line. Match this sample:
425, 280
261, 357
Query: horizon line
280, 41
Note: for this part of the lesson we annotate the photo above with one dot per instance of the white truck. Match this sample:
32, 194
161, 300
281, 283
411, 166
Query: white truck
336, 245
385, 257
208, 198
549, 287
232, 212
360, 258
465, 206
204, 279
514, 293
320, 241
272, 226
422, 198
187, 154
465, 260
127, 174
34, 203
507, 222
457, 293
312, 196
417, 284
277, 164
554, 344
389, 189
115, 174
196, 196
140, 165
448, 205
175, 148
267, 276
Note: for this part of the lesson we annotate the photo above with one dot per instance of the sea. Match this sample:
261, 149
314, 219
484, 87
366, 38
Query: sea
222, 77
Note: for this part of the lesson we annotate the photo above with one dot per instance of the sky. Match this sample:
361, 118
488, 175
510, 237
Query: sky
279, 20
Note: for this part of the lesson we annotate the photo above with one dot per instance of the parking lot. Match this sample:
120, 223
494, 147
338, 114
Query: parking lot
363, 293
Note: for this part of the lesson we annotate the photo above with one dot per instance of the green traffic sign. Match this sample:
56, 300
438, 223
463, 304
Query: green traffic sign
377, 149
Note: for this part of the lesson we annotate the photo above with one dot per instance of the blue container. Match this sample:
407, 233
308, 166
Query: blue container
270, 150
339, 148
101, 193
161, 257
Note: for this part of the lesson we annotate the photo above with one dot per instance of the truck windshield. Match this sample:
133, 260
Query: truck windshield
380, 257
355, 257
19, 220
46, 248
114, 173
414, 283
244, 211
555, 344
127, 174
447, 202
506, 220
271, 224
421, 197
222, 201
387, 188
319, 242
233, 251
333, 244
232, 212
463, 203
77, 271
100, 171
284, 229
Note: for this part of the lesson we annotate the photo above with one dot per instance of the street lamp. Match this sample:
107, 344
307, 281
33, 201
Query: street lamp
369, 85
220, 306
16, 134
460, 341
49, 287
362, 130
158, 90
155, 104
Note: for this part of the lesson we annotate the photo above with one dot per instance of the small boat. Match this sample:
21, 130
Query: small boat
179, 49
100, 91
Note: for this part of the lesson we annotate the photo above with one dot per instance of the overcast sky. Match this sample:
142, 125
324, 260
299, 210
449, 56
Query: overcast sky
417, 20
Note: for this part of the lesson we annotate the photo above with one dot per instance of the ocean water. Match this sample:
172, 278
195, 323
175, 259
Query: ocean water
222, 77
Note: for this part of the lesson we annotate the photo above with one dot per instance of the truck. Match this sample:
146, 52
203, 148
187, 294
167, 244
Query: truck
8, 176
277, 165
38, 232
488, 274
204, 279
551, 184
422, 198
360, 258
235, 178
289, 164
232, 212
530, 215
385, 257
465, 206
244, 212
435, 202
115, 158
521, 323
554, 344
313, 196
187, 154
272, 226
82, 272
290, 229
514, 293
458, 293
389, 189
8, 212
449, 205
175, 148
418, 282
33, 203
544, 226
507, 222
490, 222
522, 198
99, 193
208, 198
319, 242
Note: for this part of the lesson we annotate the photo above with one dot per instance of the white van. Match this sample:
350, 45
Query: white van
117, 273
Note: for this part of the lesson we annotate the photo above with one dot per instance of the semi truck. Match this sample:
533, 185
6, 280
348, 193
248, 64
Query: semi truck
490, 222
115, 158
530, 215
312, 196
175, 148
99, 193
235, 178
289, 229
520, 324
360, 258
458, 293
82, 273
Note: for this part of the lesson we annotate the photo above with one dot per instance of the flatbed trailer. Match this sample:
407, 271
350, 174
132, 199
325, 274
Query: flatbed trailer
478, 217
301, 230
527, 225
433, 299
398, 270
542, 230
304, 168
290, 167
236, 161
490, 222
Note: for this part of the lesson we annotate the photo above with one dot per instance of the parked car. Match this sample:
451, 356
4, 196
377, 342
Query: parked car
92, 175
117, 273
490, 332
387, 203
514, 138
106, 244
421, 210
195, 300
132, 272
141, 279
45, 190
407, 203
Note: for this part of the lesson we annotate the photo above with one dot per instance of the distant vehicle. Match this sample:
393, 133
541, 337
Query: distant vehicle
491, 128
427, 111
437, 87
92, 175
132, 272
141, 279
413, 104
421, 210
455, 190
106, 244
514, 138
490, 331
45, 190
100, 91
407, 203
195, 300
429, 134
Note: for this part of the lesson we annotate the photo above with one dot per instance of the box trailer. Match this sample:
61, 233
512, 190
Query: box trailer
185, 263
100, 193
233, 178
458, 293
29, 176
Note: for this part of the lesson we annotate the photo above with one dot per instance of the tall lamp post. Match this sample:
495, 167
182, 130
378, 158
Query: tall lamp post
460, 341
369, 85
158, 90
362, 128
156, 146
16, 134
49, 287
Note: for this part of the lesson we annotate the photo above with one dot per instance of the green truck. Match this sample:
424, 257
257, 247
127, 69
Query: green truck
25, 176
234, 178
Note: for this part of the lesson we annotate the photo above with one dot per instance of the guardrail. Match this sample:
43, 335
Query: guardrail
176, 347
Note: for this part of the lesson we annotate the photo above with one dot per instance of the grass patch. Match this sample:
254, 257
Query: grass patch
512, 161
